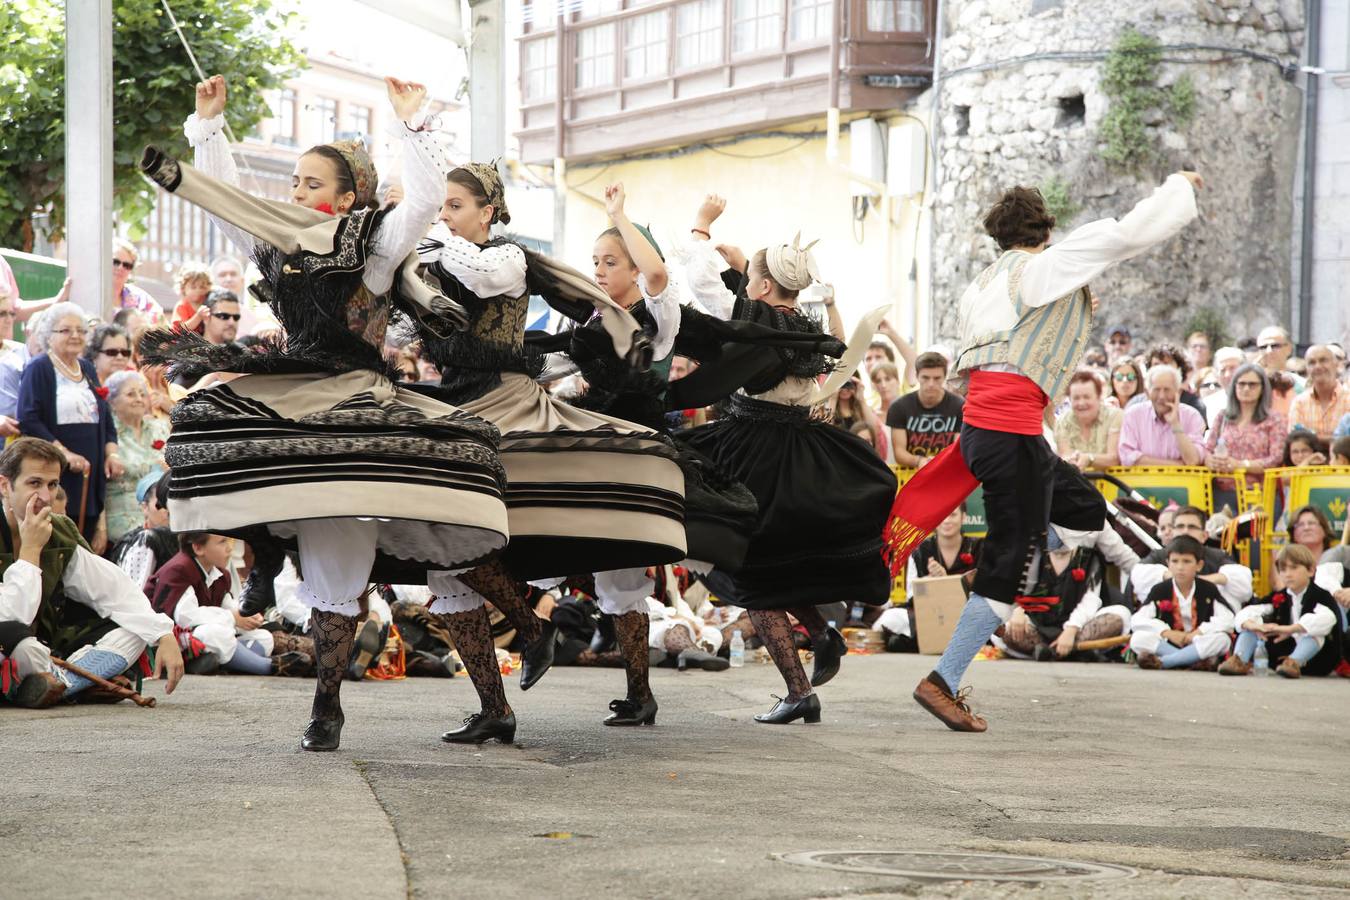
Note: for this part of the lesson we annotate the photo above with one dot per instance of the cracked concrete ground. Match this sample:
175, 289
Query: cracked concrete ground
1207, 786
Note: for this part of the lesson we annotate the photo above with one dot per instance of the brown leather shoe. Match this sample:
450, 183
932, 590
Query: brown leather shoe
1205, 665
1149, 661
951, 711
1234, 665
1289, 668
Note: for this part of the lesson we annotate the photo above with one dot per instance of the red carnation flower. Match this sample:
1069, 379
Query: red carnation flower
1166, 606
967, 559
1278, 599
101, 391
1078, 574
157, 445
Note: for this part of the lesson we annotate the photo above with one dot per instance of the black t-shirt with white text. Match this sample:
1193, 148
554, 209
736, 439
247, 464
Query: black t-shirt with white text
927, 431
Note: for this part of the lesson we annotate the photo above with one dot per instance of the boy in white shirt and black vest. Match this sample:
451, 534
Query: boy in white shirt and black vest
1185, 622
1300, 623
1025, 322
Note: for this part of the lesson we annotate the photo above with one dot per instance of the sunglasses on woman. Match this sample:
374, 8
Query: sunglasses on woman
123, 264
125, 354
1125, 376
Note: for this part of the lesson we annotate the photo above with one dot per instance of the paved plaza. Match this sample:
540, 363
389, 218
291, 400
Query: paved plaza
1207, 786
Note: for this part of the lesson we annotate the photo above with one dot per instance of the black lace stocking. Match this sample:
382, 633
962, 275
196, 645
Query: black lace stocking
631, 629
496, 583
471, 633
775, 631
810, 619
677, 639
333, 634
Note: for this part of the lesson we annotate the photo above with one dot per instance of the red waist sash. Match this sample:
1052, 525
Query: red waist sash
1002, 401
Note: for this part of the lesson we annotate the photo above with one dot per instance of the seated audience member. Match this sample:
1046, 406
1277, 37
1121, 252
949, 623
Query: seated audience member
221, 322
1308, 527
59, 599
1299, 623
193, 588
864, 431
142, 550
1164, 431
1302, 448
1088, 433
140, 441
1343, 428
925, 421
1247, 434
1198, 350
1094, 360
1273, 349
1184, 622
1326, 401
13, 358
885, 379
1340, 451
1065, 607
1227, 360
192, 282
944, 552
109, 349
1118, 343
1233, 579
687, 640
1169, 355
1126, 384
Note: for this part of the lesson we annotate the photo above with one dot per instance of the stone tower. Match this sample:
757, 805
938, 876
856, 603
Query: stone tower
1046, 122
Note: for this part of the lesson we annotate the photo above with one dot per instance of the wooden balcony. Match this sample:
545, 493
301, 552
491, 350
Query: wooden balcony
637, 74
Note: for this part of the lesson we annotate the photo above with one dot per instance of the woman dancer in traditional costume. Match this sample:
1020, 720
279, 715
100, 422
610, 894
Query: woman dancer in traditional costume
316, 444
823, 493
585, 490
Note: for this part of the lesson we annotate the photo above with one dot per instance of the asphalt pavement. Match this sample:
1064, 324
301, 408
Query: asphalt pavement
1193, 784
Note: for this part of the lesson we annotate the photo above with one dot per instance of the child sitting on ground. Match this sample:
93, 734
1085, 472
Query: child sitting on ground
1299, 623
1185, 621
193, 589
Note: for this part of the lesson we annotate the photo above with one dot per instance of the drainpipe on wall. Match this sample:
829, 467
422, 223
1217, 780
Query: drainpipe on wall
1305, 281
560, 136
935, 130
832, 114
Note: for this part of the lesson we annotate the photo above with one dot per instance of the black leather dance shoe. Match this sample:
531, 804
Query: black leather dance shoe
538, 656
479, 728
632, 712
828, 651
785, 711
322, 734
694, 658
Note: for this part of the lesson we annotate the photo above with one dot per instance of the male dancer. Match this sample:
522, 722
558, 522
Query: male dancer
1025, 323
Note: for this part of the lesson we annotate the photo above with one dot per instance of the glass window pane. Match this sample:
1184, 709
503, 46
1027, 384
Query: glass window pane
895, 15
595, 56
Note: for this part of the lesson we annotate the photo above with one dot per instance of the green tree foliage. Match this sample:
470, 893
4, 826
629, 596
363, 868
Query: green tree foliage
153, 79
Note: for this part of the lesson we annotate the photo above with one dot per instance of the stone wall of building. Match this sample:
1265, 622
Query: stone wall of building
1036, 121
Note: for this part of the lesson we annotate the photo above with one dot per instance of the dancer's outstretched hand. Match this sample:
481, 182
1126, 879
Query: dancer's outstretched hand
614, 199
407, 97
211, 97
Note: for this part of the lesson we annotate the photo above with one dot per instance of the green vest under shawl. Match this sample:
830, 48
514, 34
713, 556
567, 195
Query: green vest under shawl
1047, 341
62, 624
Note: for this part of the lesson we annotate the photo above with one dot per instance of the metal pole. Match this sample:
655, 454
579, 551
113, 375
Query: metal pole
89, 152
560, 136
487, 80
1305, 280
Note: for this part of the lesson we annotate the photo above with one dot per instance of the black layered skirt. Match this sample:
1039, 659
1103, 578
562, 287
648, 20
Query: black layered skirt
823, 497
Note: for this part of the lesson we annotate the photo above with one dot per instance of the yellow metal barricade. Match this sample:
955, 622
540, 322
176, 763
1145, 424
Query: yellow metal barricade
1161, 485
1288, 488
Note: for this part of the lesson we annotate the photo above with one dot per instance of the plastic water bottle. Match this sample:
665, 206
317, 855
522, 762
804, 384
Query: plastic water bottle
856, 614
1261, 662
737, 653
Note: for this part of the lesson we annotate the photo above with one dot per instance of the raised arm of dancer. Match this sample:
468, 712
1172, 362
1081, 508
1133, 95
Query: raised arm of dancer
658, 288
703, 264
205, 132
424, 174
1071, 263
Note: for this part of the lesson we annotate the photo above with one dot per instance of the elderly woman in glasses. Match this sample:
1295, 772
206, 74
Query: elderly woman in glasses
1248, 434
109, 350
61, 401
140, 437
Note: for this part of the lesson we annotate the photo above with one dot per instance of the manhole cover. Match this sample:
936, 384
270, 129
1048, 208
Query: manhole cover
955, 866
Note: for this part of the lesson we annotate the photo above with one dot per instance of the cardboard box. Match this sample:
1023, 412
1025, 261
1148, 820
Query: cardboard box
937, 605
